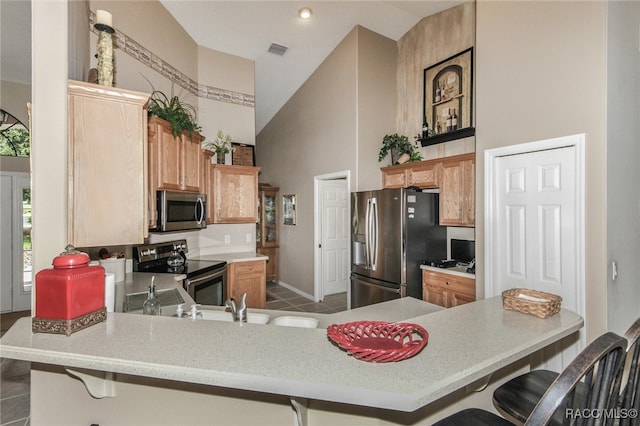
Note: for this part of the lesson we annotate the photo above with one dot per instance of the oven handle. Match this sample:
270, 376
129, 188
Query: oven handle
216, 274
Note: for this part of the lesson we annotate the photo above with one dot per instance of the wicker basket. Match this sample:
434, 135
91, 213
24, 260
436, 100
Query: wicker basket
519, 299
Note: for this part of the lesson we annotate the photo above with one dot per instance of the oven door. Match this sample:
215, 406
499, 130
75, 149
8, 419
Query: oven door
208, 288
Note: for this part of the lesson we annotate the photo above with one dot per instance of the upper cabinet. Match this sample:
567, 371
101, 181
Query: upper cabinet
422, 174
457, 191
455, 176
107, 202
233, 194
175, 163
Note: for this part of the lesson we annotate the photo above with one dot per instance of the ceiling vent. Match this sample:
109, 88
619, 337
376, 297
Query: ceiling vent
277, 49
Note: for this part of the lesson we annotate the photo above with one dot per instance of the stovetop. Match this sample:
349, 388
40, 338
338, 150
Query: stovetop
154, 258
189, 268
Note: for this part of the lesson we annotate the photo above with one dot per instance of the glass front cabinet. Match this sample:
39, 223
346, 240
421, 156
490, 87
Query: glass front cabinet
267, 228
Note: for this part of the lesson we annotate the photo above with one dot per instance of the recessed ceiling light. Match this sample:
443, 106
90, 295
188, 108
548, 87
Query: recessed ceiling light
305, 13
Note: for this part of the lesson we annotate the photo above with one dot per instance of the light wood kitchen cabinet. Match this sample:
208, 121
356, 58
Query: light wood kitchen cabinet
233, 194
422, 174
107, 198
447, 290
175, 163
207, 184
457, 191
267, 228
248, 277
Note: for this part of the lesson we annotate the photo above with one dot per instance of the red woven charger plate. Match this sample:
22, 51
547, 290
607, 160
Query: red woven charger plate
379, 341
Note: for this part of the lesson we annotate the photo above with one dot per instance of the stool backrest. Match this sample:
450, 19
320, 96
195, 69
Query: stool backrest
599, 367
630, 397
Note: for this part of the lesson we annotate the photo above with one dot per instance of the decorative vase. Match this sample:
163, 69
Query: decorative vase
220, 157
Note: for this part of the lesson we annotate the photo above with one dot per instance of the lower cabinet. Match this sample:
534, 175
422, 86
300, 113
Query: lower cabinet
248, 277
447, 290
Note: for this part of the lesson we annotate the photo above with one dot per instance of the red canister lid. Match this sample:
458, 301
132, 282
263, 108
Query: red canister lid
71, 258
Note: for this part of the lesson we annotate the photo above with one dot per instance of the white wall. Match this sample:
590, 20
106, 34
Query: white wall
540, 73
623, 157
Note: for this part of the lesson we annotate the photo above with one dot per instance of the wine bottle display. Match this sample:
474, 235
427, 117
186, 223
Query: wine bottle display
454, 120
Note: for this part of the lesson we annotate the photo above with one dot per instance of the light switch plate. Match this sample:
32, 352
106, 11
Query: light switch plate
227, 239
248, 238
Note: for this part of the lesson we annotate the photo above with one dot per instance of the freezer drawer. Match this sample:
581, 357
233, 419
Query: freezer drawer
366, 291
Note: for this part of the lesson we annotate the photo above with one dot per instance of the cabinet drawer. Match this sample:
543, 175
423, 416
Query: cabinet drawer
461, 285
249, 267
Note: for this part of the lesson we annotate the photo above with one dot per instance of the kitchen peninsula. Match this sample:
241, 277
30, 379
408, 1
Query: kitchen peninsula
180, 371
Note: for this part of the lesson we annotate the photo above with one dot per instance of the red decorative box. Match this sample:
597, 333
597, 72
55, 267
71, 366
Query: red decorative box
69, 297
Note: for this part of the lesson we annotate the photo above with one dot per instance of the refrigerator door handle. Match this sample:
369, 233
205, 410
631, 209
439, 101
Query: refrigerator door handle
367, 236
374, 233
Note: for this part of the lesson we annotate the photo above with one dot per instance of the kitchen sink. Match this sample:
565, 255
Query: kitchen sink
166, 297
295, 321
252, 317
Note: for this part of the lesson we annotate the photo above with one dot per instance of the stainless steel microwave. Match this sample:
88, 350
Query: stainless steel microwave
180, 211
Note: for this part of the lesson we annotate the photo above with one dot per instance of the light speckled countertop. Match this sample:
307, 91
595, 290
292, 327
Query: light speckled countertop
466, 343
460, 271
233, 257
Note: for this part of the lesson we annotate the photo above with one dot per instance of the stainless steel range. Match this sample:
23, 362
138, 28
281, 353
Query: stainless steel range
206, 280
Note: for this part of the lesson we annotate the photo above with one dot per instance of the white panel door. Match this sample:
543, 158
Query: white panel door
6, 243
535, 230
335, 237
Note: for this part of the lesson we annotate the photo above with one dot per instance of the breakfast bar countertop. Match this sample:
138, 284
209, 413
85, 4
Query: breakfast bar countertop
465, 344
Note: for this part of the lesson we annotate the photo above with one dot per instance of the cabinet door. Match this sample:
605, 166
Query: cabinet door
191, 165
422, 175
457, 299
272, 262
394, 178
235, 198
107, 166
469, 192
451, 194
248, 277
166, 150
434, 294
207, 183
269, 213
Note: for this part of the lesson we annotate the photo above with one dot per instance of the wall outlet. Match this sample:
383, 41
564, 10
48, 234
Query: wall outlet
227, 239
248, 238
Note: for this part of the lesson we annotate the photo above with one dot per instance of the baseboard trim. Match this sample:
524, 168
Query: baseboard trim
296, 290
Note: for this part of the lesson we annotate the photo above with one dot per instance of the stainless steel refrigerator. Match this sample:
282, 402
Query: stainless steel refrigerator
392, 232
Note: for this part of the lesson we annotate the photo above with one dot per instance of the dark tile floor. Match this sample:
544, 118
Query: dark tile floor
283, 299
15, 380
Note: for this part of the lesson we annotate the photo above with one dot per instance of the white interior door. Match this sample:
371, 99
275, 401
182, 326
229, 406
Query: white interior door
6, 243
535, 236
334, 236
15, 276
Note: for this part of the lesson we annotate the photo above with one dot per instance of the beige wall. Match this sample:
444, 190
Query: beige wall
433, 39
540, 70
326, 128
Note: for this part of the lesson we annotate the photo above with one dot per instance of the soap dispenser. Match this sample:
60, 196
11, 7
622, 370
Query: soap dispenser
151, 306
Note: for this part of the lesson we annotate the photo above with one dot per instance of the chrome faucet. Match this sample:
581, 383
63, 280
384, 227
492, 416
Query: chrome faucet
239, 311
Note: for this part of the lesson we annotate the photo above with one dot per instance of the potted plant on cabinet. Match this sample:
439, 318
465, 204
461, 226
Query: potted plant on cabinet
401, 150
179, 114
221, 146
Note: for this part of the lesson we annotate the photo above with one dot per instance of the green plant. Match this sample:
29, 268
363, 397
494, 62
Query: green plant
221, 145
178, 113
398, 144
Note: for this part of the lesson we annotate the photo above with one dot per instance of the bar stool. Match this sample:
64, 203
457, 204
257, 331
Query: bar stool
599, 367
516, 398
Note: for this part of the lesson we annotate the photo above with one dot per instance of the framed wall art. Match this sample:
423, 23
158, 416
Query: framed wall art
289, 209
448, 87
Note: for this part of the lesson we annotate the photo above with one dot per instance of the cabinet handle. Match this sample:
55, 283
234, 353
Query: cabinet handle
251, 268
447, 283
